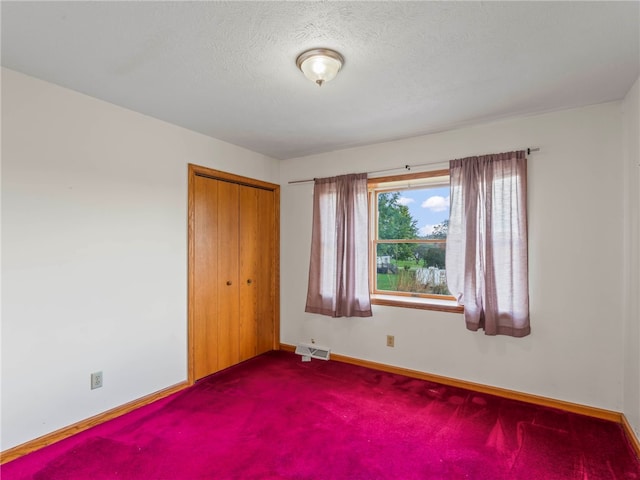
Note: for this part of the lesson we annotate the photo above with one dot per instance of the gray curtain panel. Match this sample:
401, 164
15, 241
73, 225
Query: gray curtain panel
338, 269
487, 264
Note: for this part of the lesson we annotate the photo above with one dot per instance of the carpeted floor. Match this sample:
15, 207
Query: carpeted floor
275, 417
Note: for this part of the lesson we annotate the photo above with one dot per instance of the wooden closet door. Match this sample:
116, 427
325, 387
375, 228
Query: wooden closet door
233, 269
266, 266
227, 274
205, 272
249, 272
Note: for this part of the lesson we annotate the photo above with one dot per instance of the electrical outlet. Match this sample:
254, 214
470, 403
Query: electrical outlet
96, 380
391, 340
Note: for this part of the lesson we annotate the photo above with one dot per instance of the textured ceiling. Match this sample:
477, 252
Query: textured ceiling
227, 69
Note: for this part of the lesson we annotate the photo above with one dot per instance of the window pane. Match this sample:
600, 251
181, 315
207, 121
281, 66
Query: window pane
413, 213
411, 267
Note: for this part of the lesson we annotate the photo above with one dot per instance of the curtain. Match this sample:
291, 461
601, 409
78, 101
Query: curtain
339, 269
487, 265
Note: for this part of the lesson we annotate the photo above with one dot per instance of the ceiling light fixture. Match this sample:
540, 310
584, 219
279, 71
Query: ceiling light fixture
320, 65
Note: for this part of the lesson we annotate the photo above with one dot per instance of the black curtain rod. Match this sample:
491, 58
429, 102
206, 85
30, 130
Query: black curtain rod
406, 167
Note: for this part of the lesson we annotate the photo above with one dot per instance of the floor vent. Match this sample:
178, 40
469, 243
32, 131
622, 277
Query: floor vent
309, 351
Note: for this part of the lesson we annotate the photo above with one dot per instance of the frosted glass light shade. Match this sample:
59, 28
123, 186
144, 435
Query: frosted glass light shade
320, 65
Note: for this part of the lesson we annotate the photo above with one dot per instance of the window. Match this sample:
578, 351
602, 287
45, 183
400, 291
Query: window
409, 217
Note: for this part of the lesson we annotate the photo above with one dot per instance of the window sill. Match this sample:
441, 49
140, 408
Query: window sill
419, 303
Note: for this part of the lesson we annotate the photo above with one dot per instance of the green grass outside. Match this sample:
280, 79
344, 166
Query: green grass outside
404, 280
386, 281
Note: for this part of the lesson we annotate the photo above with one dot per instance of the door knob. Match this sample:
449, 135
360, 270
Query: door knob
228, 282
249, 281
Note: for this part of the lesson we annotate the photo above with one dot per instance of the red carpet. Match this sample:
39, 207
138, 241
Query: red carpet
275, 417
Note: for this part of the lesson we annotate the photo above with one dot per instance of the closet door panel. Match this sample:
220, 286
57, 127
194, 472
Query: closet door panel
227, 278
249, 282
205, 275
266, 266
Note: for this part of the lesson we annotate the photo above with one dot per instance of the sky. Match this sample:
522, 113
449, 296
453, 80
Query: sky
429, 206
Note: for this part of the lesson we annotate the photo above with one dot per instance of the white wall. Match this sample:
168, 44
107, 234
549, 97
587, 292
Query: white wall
574, 352
631, 120
94, 252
